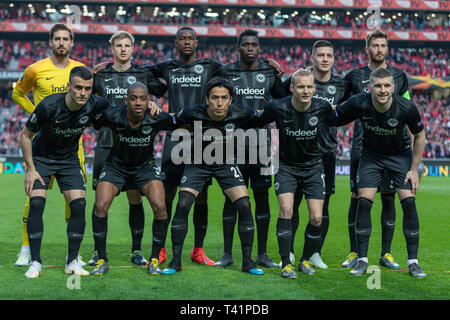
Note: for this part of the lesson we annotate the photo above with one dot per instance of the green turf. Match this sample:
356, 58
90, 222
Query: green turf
201, 282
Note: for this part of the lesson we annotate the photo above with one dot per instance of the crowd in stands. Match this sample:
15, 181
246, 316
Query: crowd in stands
252, 17
414, 61
436, 112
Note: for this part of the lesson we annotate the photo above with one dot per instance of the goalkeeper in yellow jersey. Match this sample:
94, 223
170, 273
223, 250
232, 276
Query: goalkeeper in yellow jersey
45, 77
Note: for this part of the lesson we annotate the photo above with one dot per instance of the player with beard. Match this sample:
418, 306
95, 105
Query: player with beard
218, 119
58, 123
385, 147
46, 77
112, 83
255, 83
358, 80
131, 162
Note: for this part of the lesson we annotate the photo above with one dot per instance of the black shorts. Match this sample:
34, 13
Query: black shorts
329, 168
67, 172
387, 185
252, 175
101, 154
310, 181
172, 173
128, 178
195, 176
372, 167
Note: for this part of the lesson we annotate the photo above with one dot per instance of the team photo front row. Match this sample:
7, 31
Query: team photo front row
214, 145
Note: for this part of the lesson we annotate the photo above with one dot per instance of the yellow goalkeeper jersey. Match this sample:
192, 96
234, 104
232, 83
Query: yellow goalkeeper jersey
44, 78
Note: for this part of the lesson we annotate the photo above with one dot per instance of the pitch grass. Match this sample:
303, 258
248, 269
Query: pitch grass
208, 283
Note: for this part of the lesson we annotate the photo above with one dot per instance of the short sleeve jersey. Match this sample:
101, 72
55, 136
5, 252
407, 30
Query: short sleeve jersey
333, 91
298, 131
254, 88
382, 132
186, 82
113, 85
133, 146
58, 129
44, 79
358, 79
214, 134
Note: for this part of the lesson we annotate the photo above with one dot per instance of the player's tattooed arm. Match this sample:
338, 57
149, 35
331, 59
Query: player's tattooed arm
32, 175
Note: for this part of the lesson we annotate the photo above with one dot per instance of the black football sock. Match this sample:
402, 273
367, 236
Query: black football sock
284, 232
136, 220
312, 241
35, 227
262, 219
387, 221
246, 227
159, 232
200, 220
100, 231
76, 227
325, 222
295, 218
411, 226
180, 223
229, 217
352, 224
363, 226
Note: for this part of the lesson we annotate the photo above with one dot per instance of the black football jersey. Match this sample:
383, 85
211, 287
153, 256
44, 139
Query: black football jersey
298, 131
358, 79
113, 85
214, 135
382, 132
333, 91
58, 129
254, 88
133, 146
186, 82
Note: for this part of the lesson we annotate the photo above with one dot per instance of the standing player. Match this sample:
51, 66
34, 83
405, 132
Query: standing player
358, 80
298, 118
112, 83
58, 123
255, 83
334, 90
46, 77
131, 162
218, 119
384, 115
186, 78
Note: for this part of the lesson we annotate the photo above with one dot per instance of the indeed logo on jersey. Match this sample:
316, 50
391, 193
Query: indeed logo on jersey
116, 90
380, 131
69, 132
186, 81
59, 89
329, 100
249, 91
300, 132
134, 140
